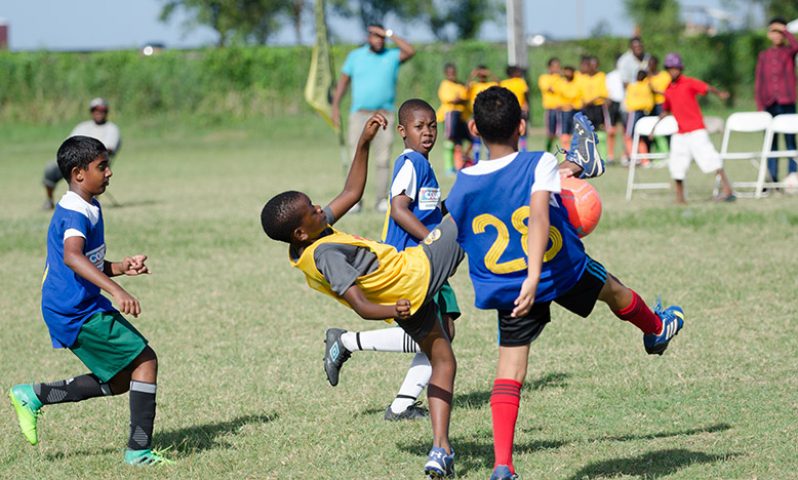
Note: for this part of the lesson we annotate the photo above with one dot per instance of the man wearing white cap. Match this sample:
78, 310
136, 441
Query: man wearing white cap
98, 127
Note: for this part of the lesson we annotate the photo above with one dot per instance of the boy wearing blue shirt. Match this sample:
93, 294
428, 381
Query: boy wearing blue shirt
81, 319
415, 210
524, 254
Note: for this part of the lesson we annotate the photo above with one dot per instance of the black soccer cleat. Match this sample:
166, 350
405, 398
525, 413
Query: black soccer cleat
335, 354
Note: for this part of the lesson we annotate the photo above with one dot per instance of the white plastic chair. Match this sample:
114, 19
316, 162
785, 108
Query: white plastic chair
781, 124
643, 128
743, 122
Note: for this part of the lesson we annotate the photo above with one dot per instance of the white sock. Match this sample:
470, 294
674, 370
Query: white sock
416, 379
383, 340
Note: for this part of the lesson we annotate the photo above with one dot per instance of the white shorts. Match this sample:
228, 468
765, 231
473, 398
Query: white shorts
694, 145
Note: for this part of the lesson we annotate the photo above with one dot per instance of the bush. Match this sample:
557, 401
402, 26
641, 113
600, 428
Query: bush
244, 82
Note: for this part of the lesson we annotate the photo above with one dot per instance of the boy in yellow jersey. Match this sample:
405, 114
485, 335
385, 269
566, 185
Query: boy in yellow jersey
570, 92
516, 83
453, 95
594, 97
639, 102
659, 80
547, 83
376, 281
480, 80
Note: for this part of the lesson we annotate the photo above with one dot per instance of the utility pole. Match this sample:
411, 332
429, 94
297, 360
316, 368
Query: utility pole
516, 37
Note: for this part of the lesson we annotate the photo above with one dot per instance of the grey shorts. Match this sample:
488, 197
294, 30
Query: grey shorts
52, 175
444, 256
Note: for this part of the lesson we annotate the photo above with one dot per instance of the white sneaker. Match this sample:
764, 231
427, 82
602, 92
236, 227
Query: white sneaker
382, 205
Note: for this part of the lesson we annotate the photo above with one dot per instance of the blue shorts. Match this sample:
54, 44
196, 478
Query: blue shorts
631, 121
551, 118
567, 122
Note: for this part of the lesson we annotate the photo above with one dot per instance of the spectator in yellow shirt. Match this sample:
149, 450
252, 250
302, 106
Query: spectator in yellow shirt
516, 83
453, 95
481, 79
547, 83
659, 79
639, 102
594, 97
570, 92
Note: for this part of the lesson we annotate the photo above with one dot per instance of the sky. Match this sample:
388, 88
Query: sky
122, 24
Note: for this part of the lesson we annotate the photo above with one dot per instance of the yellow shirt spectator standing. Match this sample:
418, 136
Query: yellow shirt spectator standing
481, 79
570, 92
595, 98
639, 102
516, 83
660, 79
453, 112
548, 85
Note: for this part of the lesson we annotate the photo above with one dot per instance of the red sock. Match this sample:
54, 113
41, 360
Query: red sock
504, 402
640, 315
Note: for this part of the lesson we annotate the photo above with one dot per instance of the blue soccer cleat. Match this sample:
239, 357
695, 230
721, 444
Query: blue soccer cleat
503, 472
584, 148
335, 354
439, 464
672, 321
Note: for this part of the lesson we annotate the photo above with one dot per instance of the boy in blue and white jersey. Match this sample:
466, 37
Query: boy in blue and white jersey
80, 318
415, 210
524, 254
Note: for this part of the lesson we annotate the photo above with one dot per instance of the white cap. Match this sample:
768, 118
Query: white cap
98, 102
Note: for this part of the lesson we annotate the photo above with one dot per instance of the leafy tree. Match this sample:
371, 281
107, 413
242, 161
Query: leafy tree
249, 21
655, 16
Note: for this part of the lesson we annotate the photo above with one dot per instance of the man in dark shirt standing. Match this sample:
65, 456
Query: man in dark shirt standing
774, 86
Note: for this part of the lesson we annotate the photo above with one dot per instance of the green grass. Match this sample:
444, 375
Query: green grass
242, 393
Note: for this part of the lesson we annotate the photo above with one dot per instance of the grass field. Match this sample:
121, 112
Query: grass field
242, 393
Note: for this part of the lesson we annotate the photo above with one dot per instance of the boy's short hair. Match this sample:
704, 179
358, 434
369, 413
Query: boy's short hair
280, 217
412, 105
497, 114
552, 60
568, 67
78, 151
448, 65
641, 75
514, 70
779, 20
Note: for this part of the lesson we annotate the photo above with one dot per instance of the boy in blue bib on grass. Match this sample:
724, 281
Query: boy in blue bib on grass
81, 319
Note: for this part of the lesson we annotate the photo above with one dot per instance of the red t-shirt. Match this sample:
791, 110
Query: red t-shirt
680, 100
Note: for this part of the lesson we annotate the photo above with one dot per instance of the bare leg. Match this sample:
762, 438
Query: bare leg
679, 188
725, 185
441, 386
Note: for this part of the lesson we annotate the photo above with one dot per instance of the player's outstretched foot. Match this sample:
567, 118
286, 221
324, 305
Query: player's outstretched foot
584, 148
144, 458
412, 412
28, 407
672, 321
335, 354
439, 464
503, 472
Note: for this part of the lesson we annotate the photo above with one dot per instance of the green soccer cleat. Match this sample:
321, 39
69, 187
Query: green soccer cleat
28, 407
145, 458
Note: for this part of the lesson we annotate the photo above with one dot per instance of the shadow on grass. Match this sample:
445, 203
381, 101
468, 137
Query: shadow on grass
52, 457
656, 464
196, 438
475, 454
128, 203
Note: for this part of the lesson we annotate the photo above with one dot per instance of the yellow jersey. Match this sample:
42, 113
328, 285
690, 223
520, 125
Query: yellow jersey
449, 93
639, 97
519, 87
594, 88
570, 94
474, 89
547, 83
660, 82
399, 275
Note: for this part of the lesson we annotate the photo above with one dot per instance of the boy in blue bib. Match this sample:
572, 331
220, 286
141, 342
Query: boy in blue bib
524, 254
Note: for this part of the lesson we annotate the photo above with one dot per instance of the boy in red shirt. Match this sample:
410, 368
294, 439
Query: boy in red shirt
692, 142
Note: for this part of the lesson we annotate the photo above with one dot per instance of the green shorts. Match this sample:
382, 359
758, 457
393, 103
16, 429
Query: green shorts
107, 343
447, 301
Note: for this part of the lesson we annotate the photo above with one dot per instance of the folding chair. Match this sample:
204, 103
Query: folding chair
643, 128
784, 124
743, 122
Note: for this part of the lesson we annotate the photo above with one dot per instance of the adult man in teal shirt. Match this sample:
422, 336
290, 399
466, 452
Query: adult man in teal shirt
373, 71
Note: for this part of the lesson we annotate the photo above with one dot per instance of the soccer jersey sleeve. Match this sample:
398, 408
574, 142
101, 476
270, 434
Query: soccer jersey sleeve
342, 264
405, 181
547, 175
75, 225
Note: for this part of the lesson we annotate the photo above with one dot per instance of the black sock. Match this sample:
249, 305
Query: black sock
142, 415
71, 390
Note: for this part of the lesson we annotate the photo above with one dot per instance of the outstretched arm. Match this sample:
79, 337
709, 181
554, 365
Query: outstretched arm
373, 311
356, 180
77, 261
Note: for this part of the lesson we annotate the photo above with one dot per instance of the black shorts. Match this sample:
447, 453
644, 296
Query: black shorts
614, 112
454, 127
580, 299
596, 114
421, 323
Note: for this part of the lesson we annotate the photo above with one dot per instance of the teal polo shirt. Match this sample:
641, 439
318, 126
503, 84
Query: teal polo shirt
374, 77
